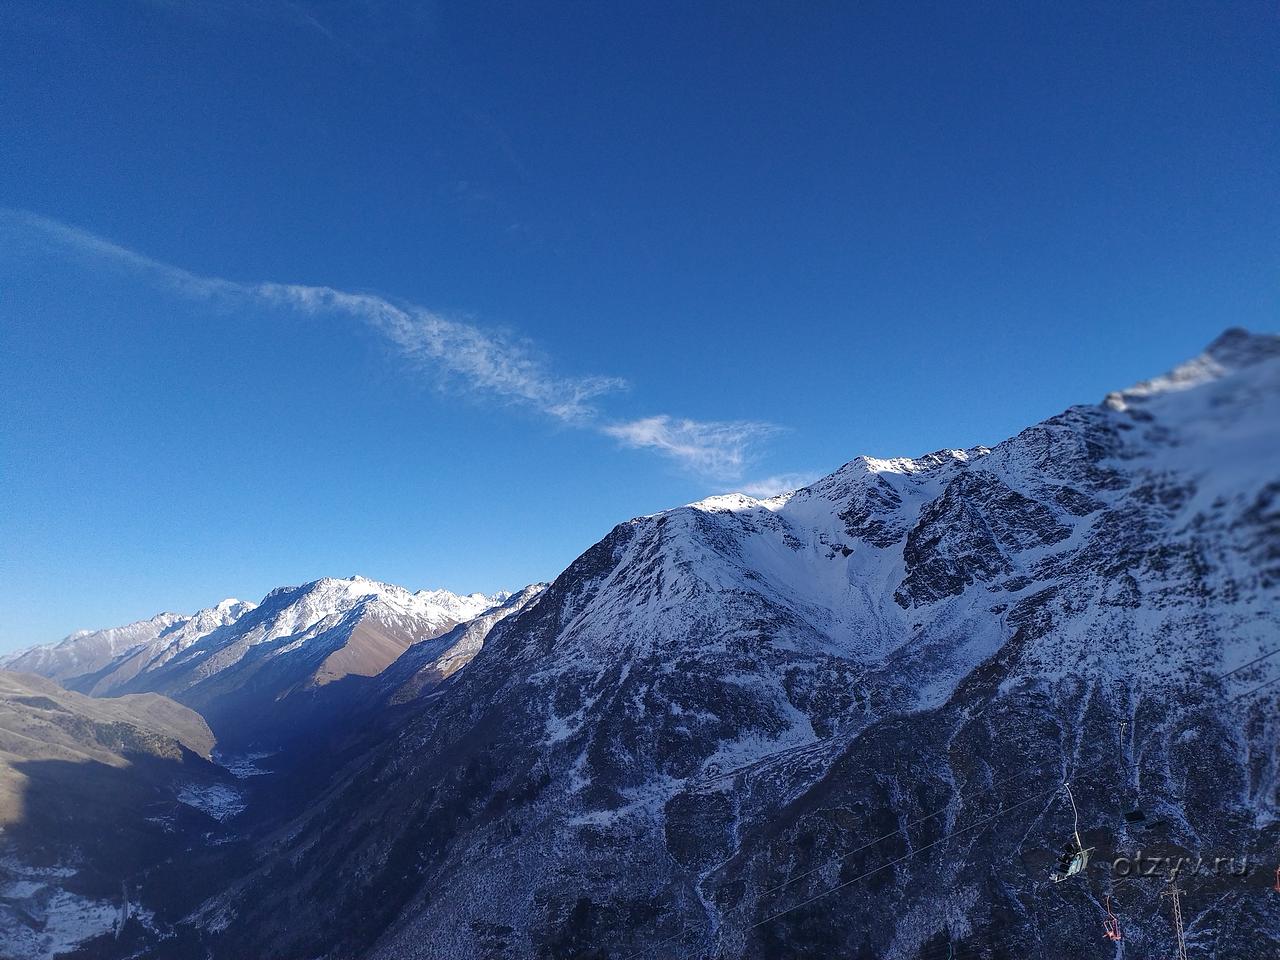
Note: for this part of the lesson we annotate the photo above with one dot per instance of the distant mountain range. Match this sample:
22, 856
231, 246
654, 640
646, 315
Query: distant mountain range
238, 662
833, 723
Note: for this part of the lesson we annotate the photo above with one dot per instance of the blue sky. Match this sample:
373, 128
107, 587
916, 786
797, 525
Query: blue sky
438, 294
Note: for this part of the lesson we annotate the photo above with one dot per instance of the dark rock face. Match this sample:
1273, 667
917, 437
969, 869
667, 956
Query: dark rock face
873, 514
968, 536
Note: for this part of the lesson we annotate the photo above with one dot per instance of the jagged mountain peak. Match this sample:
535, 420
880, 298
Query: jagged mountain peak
320, 605
220, 614
1238, 347
328, 596
924, 463
298, 637
727, 502
462, 606
123, 651
159, 620
426, 664
231, 604
337, 589
860, 469
1234, 350
84, 651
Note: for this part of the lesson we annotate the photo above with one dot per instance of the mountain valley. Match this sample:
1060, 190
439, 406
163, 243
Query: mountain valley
851, 720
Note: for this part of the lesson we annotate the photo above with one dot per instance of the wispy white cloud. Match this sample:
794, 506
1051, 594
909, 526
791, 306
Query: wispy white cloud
481, 360
31, 227
487, 360
781, 483
718, 449
455, 351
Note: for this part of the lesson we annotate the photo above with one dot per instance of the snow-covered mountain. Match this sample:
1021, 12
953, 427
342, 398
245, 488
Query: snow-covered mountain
237, 662
833, 723
88, 651
150, 656
425, 665
747, 728
316, 728
100, 786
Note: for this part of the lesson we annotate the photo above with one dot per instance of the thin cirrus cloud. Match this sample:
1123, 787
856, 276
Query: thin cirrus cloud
716, 449
479, 359
454, 351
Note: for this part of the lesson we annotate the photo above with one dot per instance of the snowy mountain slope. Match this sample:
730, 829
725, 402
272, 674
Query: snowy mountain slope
723, 697
316, 725
428, 664
147, 657
299, 638
88, 651
237, 662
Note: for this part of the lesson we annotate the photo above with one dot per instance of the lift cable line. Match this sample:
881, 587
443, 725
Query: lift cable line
1256, 689
1075, 813
906, 856
901, 830
884, 836
1177, 903
1246, 666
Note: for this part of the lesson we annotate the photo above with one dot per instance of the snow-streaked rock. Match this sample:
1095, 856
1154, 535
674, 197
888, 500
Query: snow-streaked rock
738, 694
117, 654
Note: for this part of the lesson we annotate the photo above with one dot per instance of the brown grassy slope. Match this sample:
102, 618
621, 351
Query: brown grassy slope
41, 722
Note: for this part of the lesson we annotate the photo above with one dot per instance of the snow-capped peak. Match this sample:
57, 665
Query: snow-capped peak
297, 613
910, 465
86, 651
726, 502
460, 607
1233, 350
314, 601
220, 614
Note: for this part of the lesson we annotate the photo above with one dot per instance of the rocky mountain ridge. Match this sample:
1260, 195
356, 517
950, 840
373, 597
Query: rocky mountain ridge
837, 722
701, 727
237, 663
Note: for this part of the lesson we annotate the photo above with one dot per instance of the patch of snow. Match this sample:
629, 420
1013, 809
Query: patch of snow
218, 800
39, 920
242, 766
63, 921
